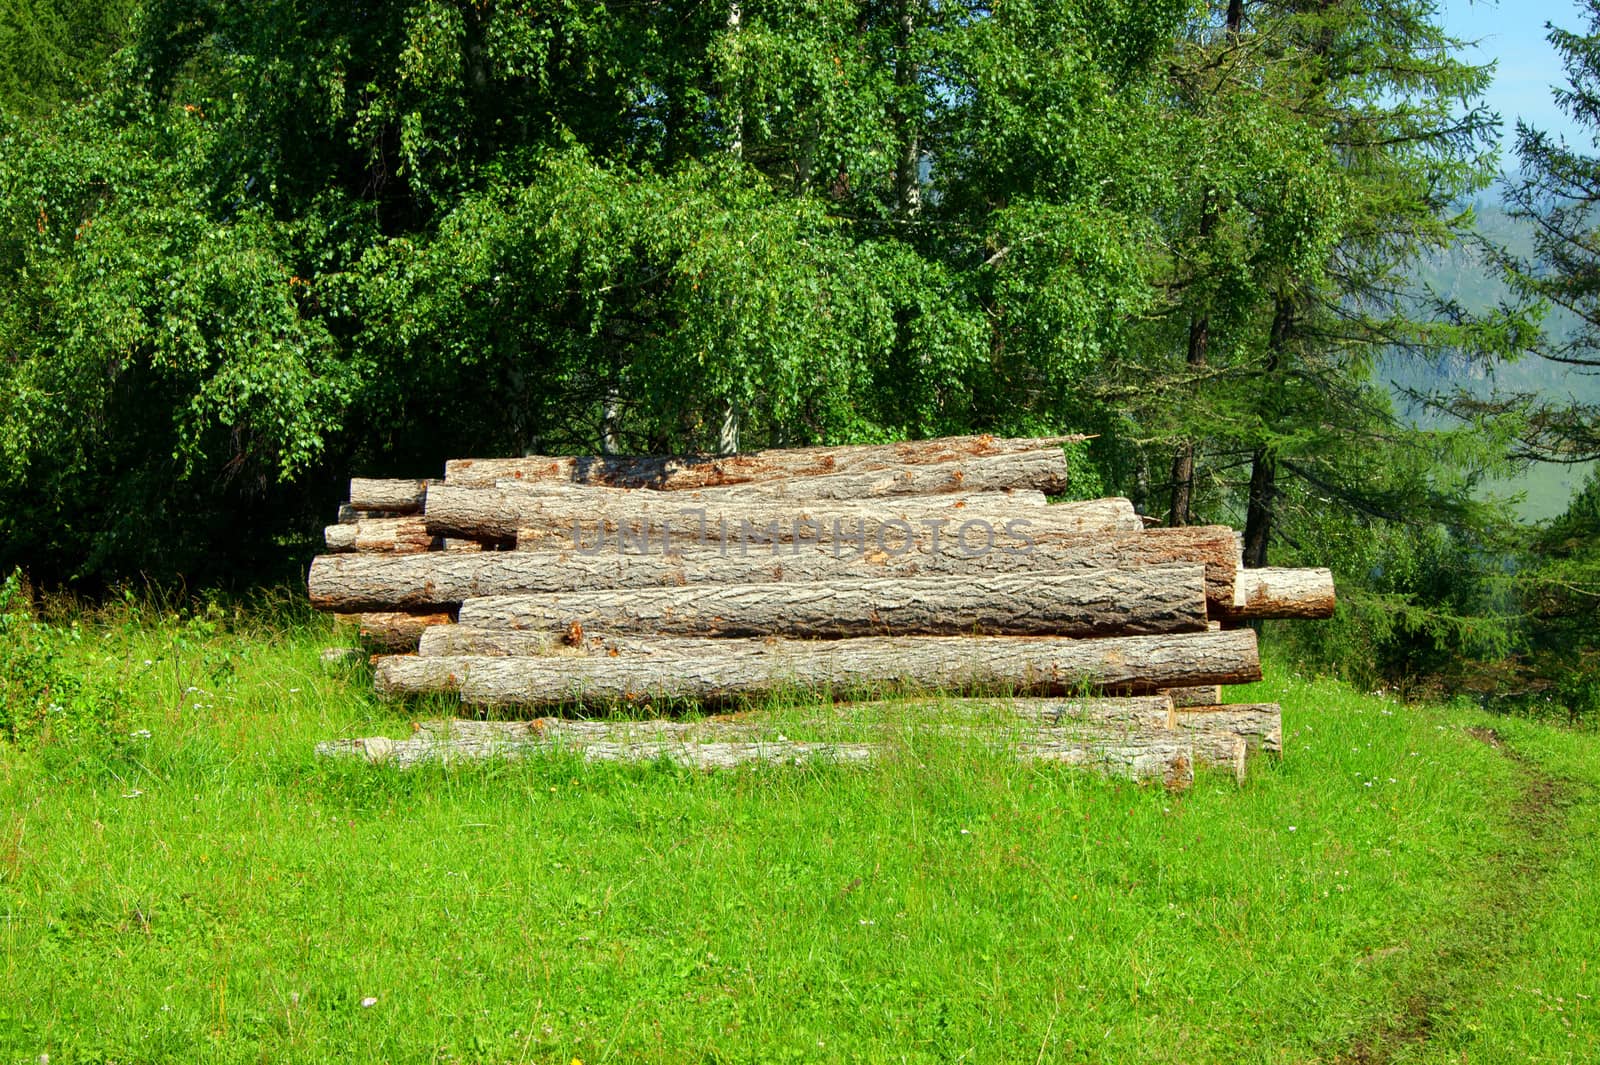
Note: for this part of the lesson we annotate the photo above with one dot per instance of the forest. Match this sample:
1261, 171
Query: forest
249, 249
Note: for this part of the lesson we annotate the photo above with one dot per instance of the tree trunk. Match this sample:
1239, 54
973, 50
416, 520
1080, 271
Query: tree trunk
399, 536
1259, 724
1264, 462
394, 631
1026, 471
446, 580
393, 497
1085, 604
648, 521
908, 97
1144, 756
674, 472
1209, 695
740, 668
1282, 593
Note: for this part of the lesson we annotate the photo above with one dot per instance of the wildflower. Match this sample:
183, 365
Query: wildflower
368, 1002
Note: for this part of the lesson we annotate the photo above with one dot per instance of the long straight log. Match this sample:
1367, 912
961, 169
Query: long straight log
445, 580
1026, 665
396, 497
1087, 603
678, 472
1143, 756
1282, 593
1042, 471
397, 536
986, 522
1260, 724
575, 518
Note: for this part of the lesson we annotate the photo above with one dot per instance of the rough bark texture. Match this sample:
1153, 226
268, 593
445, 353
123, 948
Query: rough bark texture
1088, 603
396, 536
1144, 756
440, 579
753, 667
1209, 695
394, 631
1260, 724
674, 472
1220, 751
593, 517
349, 515
396, 497
1042, 471
1282, 593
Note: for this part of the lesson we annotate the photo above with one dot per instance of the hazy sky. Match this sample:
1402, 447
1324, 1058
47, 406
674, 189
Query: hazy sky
1512, 32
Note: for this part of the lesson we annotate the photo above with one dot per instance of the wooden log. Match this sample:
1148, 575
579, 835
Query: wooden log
1282, 593
688, 472
1141, 756
395, 536
443, 580
1086, 603
452, 544
395, 631
1219, 750
1043, 471
991, 522
349, 515
1259, 724
1209, 695
1025, 665
578, 518
395, 497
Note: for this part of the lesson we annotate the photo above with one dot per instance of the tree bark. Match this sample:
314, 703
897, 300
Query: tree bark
1264, 462
1259, 724
1085, 604
1144, 756
395, 497
445, 580
1041, 471
398, 536
1027, 665
1209, 695
546, 520
1282, 593
677, 472
394, 631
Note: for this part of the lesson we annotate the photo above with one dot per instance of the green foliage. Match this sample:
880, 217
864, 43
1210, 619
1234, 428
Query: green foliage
1560, 591
47, 697
901, 911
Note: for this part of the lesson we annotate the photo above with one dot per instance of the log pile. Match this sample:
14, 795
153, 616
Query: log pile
549, 583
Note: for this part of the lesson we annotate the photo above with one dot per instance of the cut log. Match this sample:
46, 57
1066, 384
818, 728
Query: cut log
452, 544
1210, 695
396, 497
394, 631
395, 536
640, 520
443, 580
1087, 603
1142, 756
1042, 471
1025, 665
1220, 750
1260, 724
349, 515
679, 472
1282, 593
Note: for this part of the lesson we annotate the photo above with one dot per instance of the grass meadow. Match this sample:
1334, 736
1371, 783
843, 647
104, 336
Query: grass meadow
181, 880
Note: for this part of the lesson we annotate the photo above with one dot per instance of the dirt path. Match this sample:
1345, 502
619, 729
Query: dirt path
1457, 970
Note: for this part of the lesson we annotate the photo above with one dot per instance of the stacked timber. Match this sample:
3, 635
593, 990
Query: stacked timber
549, 583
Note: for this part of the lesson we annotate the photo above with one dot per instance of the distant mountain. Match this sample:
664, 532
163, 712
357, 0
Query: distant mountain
1464, 276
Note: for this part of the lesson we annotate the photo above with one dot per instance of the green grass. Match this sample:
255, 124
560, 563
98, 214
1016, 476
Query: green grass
214, 893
